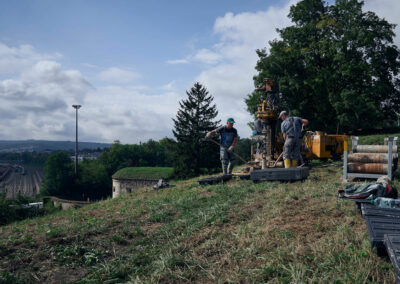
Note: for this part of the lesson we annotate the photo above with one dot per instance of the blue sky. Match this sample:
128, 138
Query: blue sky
129, 62
137, 35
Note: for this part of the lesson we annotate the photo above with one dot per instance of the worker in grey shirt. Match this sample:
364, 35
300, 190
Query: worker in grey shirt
291, 130
229, 138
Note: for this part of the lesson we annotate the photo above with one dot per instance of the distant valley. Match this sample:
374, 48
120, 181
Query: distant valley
17, 146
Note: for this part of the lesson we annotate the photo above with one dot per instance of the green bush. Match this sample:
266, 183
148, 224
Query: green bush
12, 210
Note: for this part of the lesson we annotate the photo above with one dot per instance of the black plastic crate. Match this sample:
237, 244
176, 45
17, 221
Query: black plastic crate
280, 174
392, 243
372, 210
379, 226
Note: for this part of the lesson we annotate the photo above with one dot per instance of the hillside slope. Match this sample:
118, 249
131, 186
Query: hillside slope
240, 231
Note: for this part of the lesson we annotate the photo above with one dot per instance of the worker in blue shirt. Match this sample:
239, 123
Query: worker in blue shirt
229, 138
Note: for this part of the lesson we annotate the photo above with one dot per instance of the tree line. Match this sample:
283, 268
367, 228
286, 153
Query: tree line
94, 178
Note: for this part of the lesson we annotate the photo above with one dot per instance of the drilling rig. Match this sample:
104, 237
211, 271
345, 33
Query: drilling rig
269, 143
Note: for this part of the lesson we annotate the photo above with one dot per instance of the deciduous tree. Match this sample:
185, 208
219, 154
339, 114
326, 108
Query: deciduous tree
336, 65
59, 176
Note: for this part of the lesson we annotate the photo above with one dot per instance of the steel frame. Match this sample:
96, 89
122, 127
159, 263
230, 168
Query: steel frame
390, 141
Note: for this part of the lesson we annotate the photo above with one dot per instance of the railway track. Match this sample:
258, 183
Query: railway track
21, 180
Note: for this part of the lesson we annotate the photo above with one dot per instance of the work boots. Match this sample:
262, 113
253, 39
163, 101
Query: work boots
290, 163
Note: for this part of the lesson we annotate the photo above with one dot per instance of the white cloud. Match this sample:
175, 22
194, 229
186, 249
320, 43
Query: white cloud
15, 59
207, 56
124, 113
118, 75
178, 61
36, 104
169, 86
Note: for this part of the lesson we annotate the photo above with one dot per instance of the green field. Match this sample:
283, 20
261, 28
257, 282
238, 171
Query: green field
375, 139
145, 173
235, 232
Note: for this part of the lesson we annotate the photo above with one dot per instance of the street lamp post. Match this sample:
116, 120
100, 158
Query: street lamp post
76, 107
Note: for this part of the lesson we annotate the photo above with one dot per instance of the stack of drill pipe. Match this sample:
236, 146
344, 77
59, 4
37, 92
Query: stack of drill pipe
367, 168
371, 159
375, 149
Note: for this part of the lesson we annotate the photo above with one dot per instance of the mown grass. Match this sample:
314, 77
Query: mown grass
235, 232
145, 172
375, 139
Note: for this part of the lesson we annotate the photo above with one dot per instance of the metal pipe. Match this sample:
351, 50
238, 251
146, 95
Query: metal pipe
277, 160
374, 148
76, 107
390, 154
219, 144
354, 143
369, 157
76, 143
367, 168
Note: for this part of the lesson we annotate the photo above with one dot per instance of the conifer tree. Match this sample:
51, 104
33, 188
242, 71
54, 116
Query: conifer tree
194, 119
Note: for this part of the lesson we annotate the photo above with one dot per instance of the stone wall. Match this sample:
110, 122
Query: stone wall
63, 203
128, 185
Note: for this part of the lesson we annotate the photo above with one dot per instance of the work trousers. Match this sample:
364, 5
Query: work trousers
227, 160
291, 149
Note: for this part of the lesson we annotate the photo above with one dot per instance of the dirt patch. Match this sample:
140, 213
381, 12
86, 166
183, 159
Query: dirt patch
63, 275
150, 227
307, 220
207, 194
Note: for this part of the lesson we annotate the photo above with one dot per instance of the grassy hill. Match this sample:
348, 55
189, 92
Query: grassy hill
240, 231
235, 232
145, 172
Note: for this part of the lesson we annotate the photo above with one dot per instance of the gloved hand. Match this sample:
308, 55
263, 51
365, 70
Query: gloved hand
208, 135
230, 149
